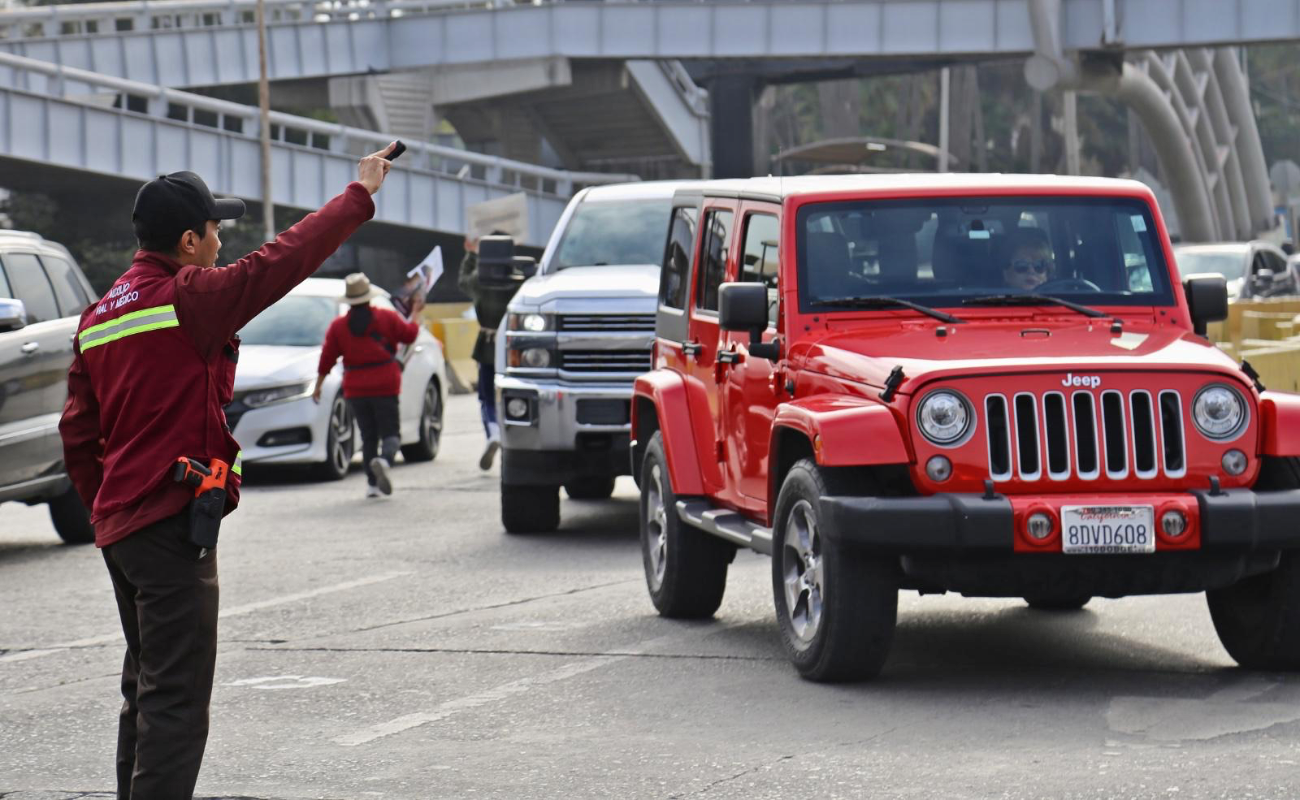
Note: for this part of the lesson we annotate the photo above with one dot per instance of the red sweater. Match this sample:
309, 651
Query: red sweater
155, 362
369, 368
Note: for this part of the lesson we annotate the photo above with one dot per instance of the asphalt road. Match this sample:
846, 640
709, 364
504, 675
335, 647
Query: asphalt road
408, 648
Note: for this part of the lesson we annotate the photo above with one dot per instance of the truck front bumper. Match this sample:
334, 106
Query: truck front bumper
571, 431
1235, 519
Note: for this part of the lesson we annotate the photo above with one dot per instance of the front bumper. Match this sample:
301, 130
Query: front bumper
572, 430
1235, 519
301, 422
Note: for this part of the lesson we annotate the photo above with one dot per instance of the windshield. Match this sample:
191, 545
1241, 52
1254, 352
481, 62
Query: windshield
295, 321
614, 232
949, 251
1228, 264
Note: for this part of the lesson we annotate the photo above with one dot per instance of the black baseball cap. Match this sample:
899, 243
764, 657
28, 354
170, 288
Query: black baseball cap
180, 202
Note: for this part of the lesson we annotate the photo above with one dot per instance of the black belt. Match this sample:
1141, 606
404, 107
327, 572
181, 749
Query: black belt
369, 365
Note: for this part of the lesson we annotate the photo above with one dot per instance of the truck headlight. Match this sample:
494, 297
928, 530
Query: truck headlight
535, 357
532, 323
944, 416
1219, 411
278, 394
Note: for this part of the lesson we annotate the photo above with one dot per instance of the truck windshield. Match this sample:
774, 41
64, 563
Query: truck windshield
294, 321
952, 251
614, 232
1228, 263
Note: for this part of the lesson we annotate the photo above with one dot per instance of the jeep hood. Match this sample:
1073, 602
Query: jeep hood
634, 282
986, 349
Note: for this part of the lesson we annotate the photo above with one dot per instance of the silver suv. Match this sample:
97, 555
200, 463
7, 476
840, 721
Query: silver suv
574, 338
42, 295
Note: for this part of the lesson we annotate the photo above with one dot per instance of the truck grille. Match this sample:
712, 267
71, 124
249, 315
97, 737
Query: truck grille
620, 323
592, 361
1085, 435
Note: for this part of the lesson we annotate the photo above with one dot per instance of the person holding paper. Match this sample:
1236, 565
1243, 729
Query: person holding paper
490, 308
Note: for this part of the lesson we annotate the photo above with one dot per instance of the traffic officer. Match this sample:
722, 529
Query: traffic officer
155, 364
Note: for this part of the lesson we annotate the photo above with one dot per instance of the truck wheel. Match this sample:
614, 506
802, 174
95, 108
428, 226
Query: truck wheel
1258, 619
426, 448
71, 519
530, 509
1051, 603
836, 608
590, 488
685, 568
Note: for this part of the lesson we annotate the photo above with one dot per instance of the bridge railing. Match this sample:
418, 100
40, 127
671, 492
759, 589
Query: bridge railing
30, 75
39, 22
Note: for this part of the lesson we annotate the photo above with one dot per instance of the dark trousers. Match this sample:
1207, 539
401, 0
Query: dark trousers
487, 396
377, 417
167, 593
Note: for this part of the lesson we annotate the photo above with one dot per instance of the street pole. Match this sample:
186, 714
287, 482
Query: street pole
264, 105
1072, 165
945, 101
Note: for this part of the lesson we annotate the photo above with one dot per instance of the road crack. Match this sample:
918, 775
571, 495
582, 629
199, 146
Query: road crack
737, 776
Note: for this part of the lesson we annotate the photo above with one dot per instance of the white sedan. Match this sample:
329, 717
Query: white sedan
272, 414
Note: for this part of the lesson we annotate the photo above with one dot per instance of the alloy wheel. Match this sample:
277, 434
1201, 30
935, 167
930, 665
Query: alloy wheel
341, 434
656, 525
803, 572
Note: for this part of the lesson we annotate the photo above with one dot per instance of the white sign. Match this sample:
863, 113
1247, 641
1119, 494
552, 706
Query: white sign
507, 214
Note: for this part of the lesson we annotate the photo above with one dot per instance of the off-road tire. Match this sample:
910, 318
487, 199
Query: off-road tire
71, 519
1048, 603
858, 592
685, 568
426, 448
1258, 619
590, 488
336, 466
530, 509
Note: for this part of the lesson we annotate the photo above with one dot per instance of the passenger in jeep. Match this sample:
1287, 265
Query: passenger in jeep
1030, 262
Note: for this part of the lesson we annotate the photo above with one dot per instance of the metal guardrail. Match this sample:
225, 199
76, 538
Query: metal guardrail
54, 80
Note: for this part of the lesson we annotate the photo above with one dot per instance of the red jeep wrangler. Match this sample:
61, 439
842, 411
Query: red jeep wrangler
992, 385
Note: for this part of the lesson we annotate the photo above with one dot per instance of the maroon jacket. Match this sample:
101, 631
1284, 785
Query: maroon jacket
155, 364
369, 369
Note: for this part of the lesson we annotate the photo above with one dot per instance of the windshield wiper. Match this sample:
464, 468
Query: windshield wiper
1033, 300
883, 301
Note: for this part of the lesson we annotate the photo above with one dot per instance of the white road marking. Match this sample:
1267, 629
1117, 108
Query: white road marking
285, 682
516, 687
234, 611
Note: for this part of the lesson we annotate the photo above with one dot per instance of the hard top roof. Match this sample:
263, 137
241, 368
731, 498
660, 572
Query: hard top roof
779, 188
642, 190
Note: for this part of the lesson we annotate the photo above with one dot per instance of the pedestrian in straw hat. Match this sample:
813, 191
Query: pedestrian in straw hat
367, 338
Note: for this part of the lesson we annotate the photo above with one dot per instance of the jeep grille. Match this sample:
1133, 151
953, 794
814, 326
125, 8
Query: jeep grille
1034, 432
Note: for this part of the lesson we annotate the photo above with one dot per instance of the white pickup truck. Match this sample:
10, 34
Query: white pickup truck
575, 337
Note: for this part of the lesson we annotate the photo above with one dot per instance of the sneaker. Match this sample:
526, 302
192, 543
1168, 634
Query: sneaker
489, 453
379, 467
372, 491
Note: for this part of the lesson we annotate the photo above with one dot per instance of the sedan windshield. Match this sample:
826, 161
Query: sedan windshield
972, 251
1229, 264
295, 321
614, 232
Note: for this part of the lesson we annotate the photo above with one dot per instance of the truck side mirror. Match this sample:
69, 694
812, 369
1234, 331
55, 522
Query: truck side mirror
496, 261
13, 315
1207, 299
525, 266
743, 307
1262, 280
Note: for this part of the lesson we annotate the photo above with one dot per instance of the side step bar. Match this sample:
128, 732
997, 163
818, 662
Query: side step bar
725, 524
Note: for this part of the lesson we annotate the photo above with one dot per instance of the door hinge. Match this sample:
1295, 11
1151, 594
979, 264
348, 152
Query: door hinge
721, 448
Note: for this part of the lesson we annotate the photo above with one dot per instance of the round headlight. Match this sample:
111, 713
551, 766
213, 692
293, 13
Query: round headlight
516, 408
536, 357
1218, 411
944, 417
535, 323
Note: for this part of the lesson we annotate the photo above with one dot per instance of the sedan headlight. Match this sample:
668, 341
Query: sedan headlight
277, 394
945, 417
1219, 411
531, 323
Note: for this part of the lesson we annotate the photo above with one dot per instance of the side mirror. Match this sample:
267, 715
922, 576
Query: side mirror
525, 266
743, 307
1263, 279
13, 315
1207, 298
496, 261
1288, 248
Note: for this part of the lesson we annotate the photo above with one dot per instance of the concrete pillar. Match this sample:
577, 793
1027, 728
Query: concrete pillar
731, 101
1250, 150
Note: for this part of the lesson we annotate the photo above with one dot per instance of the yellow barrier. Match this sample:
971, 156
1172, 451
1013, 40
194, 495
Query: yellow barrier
457, 334
1278, 367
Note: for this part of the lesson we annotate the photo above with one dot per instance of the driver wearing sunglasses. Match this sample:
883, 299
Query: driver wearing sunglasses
1030, 262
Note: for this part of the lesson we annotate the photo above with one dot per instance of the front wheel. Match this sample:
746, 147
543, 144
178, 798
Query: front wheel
71, 519
590, 488
426, 449
530, 509
685, 568
340, 443
1258, 619
836, 608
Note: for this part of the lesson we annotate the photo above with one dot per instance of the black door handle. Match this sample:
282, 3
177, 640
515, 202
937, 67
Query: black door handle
692, 349
728, 357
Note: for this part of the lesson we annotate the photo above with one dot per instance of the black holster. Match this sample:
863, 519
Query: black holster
206, 511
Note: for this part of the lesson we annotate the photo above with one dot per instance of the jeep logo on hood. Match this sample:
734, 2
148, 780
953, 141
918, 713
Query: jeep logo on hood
1091, 381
